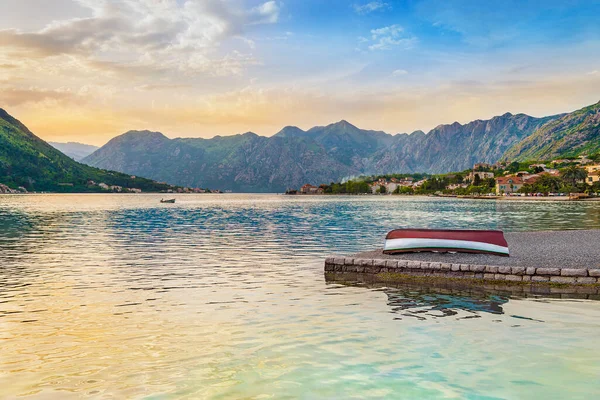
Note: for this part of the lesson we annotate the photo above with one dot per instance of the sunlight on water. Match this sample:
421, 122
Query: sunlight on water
116, 296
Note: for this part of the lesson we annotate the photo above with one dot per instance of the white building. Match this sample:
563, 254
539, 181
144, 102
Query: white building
454, 186
391, 187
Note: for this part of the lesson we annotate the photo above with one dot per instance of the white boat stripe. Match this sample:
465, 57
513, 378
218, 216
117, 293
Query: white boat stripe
407, 244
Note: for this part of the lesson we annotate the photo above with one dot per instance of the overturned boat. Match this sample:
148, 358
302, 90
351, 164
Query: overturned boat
446, 240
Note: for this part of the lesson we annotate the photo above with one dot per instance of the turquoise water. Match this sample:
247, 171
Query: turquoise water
223, 296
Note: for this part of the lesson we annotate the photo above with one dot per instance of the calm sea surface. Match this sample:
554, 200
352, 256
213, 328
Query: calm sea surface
223, 296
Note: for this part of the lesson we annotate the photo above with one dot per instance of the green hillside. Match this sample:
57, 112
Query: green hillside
571, 135
28, 161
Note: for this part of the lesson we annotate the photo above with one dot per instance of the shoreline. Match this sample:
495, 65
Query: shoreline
488, 198
458, 197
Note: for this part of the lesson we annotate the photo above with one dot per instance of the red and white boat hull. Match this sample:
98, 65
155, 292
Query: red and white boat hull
446, 240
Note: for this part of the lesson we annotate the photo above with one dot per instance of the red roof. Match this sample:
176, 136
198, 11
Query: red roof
515, 180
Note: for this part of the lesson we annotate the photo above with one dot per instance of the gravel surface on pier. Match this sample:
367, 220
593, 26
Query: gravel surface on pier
556, 249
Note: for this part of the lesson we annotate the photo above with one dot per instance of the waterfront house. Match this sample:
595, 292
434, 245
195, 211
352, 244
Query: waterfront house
116, 188
454, 186
593, 178
310, 189
375, 187
508, 184
420, 183
104, 186
482, 175
593, 172
6, 190
406, 182
391, 187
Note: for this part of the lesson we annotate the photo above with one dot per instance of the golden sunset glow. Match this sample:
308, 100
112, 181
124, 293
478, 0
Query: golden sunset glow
87, 70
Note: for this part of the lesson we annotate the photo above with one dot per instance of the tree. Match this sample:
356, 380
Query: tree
547, 183
513, 167
573, 174
476, 180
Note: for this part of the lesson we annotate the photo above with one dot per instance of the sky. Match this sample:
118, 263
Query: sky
88, 70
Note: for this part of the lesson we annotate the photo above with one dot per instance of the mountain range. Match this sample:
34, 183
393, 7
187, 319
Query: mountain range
292, 157
28, 161
252, 163
77, 151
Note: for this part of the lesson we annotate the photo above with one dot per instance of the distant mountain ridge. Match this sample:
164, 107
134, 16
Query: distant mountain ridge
77, 151
292, 157
456, 147
570, 135
28, 161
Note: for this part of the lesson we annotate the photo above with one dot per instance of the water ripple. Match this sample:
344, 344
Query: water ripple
224, 297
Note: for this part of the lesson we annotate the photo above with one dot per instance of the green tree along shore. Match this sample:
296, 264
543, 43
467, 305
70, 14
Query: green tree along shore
29, 162
570, 180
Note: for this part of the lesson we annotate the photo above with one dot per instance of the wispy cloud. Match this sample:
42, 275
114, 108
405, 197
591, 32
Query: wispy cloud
368, 8
388, 37
399, 72
16, 96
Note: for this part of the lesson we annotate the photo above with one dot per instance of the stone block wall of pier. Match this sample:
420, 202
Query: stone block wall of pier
571, 276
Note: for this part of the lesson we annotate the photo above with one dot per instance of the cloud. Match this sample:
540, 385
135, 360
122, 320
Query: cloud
266, 13
152, 87
388, 37
594, 72
147, 33
399, 72
370, 7
15, 96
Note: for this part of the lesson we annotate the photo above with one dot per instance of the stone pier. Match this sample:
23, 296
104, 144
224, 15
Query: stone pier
563, 257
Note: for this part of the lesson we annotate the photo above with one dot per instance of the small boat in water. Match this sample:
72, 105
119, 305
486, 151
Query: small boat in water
170, 201
446, 240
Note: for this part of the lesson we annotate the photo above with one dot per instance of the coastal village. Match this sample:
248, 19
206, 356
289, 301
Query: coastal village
561, 177
579, 177
105, 188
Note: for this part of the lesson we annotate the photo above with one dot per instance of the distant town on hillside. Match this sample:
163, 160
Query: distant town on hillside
550, 178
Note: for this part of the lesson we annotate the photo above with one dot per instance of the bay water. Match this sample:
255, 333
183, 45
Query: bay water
224, 296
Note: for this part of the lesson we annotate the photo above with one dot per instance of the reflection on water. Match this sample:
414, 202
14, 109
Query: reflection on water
225, 297
421, 305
